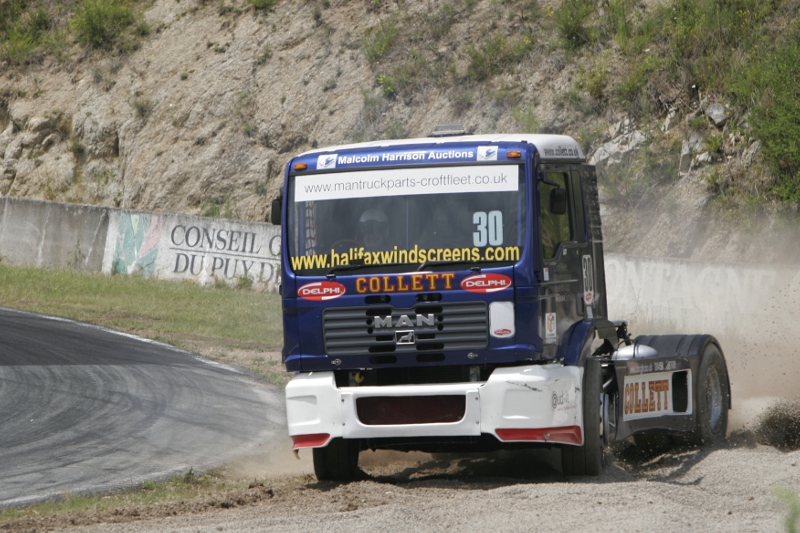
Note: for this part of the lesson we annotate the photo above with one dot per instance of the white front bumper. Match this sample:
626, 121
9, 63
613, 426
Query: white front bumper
529, 403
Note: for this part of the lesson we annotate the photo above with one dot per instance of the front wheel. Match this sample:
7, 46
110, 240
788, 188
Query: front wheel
338, 461
713, 398
587, 460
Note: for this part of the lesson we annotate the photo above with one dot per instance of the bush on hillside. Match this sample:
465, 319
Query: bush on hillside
22, 31
99, 23
770, 84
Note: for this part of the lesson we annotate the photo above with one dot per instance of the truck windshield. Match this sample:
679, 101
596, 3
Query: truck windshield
403, 219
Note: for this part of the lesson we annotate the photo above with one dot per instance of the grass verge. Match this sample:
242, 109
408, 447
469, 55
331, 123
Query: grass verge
91, 509
215, 321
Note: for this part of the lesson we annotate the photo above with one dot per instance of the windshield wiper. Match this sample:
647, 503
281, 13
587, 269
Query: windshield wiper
357, 266
428, 264
338, 268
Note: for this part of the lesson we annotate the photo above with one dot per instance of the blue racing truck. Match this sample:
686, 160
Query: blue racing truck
448, 294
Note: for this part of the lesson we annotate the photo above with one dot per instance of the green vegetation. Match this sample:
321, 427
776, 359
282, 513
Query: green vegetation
770, 81
99, 23
377, 41
496, 54
639, 59
180, 488
744, 52
24, 32
263, 5
571, 21
792, 501
182, 314
633, 58
31, 29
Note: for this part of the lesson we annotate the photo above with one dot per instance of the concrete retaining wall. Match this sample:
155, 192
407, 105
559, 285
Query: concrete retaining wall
116, 241
48, 234
181, 247
663, 295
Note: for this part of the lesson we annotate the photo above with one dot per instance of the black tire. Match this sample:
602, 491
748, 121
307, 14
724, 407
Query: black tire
587, 460
713, 399
338, 461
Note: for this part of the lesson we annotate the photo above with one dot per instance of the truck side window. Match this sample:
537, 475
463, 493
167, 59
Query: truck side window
555, 228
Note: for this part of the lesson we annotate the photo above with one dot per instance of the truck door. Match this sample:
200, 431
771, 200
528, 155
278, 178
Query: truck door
567, 272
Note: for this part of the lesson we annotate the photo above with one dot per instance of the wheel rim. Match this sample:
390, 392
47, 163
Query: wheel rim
713, 398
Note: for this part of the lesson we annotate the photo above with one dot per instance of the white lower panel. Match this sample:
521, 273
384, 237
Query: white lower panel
519, 398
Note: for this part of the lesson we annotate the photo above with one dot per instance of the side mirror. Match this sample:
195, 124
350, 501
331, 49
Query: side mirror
275, 211
558, 201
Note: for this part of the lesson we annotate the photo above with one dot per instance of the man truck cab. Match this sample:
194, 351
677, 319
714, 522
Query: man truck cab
480, 320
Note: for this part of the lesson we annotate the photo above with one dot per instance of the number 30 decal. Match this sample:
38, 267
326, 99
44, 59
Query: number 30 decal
490, 228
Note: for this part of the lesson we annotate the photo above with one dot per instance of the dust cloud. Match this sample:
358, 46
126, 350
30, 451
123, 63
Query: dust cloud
749, 308
277, 461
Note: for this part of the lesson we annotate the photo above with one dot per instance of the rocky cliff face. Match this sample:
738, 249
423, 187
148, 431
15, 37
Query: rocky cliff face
203, 116
200, 119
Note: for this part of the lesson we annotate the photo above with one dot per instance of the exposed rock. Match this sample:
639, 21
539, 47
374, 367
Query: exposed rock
6, 137
14, 149
614, 151
8, 172
209, 108
40, 124
696, 142
670, 120
704, 159
718, 114
686, 157
750, 152
30, 138
49, 141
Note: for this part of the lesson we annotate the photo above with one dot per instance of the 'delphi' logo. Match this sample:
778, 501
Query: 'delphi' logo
487, 153
320, 291
484, 283
326, 161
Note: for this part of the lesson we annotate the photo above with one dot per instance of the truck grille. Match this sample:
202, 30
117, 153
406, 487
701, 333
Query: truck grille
402, 410
386, 330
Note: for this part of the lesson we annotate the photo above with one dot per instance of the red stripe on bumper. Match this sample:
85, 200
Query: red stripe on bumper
313, 440
567, 435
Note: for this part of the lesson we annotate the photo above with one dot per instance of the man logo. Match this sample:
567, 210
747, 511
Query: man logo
403, 321
326, 161
487, 153
404, 337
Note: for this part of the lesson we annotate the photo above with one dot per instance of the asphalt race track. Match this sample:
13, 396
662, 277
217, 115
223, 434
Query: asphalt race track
84, 408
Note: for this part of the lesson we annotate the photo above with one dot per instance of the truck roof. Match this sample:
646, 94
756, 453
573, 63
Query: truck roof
550, 147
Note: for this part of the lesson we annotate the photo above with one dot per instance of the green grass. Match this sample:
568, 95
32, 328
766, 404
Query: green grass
31, 30
496, 54
572, 22
180, 313
99, 23
180, 488
264, 5
741, 52
23, 31
378, 40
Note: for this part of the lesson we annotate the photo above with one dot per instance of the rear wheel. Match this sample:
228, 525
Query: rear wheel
338, 461
713, 398
587, 460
